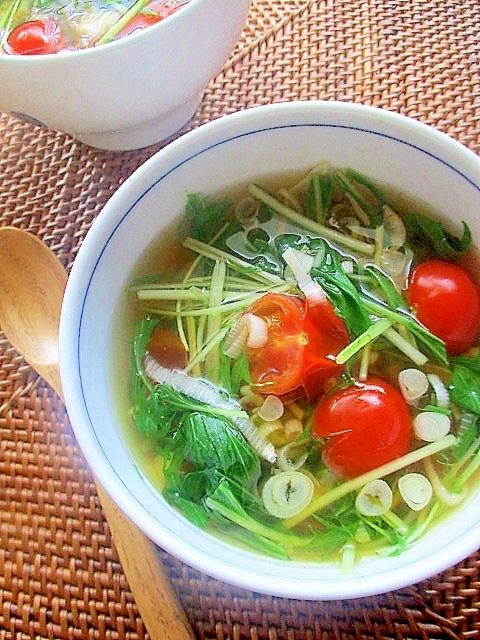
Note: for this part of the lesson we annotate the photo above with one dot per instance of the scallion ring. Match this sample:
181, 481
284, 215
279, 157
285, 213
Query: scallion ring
416, 490
374, 499
287, 493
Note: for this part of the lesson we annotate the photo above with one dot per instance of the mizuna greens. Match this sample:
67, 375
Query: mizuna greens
294, 299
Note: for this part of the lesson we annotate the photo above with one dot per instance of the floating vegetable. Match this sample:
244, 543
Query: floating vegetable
313, 391
362, 427
413, 385
374, 499
447, 301
416, 490
287, 493
431, 425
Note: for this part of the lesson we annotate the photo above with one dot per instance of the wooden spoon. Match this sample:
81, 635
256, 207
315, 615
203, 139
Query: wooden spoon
32, 284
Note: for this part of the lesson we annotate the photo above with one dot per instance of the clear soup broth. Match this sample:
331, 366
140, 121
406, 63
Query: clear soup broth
302, 382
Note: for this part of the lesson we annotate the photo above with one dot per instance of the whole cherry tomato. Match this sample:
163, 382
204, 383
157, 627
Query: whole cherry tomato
447, 301
299, 353
364, 426
35, 37
151, 14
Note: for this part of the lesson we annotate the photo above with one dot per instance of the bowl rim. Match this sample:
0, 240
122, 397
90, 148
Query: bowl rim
189, 145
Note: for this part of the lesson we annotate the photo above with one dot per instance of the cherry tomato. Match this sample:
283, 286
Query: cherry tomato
167, 348
447, 301
277, 366
151, 14
327, 335
364, 426
35, 37
298, 352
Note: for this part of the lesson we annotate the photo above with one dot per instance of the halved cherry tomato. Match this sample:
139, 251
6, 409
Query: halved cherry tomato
364, 426
327, 335
298, 353
447, 301
35, 37
151, 14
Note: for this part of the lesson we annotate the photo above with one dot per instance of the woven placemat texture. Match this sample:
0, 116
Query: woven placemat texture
60, 577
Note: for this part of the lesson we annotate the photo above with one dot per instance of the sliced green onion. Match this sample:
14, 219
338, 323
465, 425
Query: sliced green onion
310, 225
357, 483
413, 384
441, 393
416, 490
374, 499
291, 456
430, 426
287, 493
271, 409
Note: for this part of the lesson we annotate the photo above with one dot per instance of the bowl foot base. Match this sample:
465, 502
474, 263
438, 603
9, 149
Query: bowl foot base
145, 134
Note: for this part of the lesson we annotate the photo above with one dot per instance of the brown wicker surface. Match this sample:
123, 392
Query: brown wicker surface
59, 573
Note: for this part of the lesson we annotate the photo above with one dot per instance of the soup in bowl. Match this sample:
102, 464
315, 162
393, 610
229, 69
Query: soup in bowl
129, 92
251, 362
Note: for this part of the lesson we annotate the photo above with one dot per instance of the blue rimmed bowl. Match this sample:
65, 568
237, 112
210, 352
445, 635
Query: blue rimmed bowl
231, 151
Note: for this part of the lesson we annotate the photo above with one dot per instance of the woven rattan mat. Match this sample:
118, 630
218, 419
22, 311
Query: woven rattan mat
59, 573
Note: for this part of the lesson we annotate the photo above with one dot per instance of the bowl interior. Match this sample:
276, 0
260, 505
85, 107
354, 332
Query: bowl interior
233, 151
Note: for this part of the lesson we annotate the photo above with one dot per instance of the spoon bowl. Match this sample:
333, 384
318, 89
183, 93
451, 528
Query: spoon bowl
32, 284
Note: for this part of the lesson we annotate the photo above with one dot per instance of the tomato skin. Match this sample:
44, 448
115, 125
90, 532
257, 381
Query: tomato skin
278, 364
154, 12
364, 426
327, 337
300, 352
35, 37
447, 301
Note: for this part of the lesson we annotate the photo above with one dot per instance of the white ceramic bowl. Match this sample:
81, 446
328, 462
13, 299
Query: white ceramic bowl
235, 149
132, 92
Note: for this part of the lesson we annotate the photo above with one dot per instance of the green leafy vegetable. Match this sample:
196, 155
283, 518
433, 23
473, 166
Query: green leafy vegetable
203, 217
465, 386
320, 196
211, 442
340, 289
431, 235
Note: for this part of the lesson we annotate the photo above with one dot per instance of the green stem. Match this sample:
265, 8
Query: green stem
207, 251
193, 294
7, 22
354, 484
115, 29
320, 230
416, 356
363, 339
225, 307
212, 361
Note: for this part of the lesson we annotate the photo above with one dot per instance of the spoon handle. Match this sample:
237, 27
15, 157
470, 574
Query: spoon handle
158, 605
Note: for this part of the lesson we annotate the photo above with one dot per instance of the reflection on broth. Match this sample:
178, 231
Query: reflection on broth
284, 394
